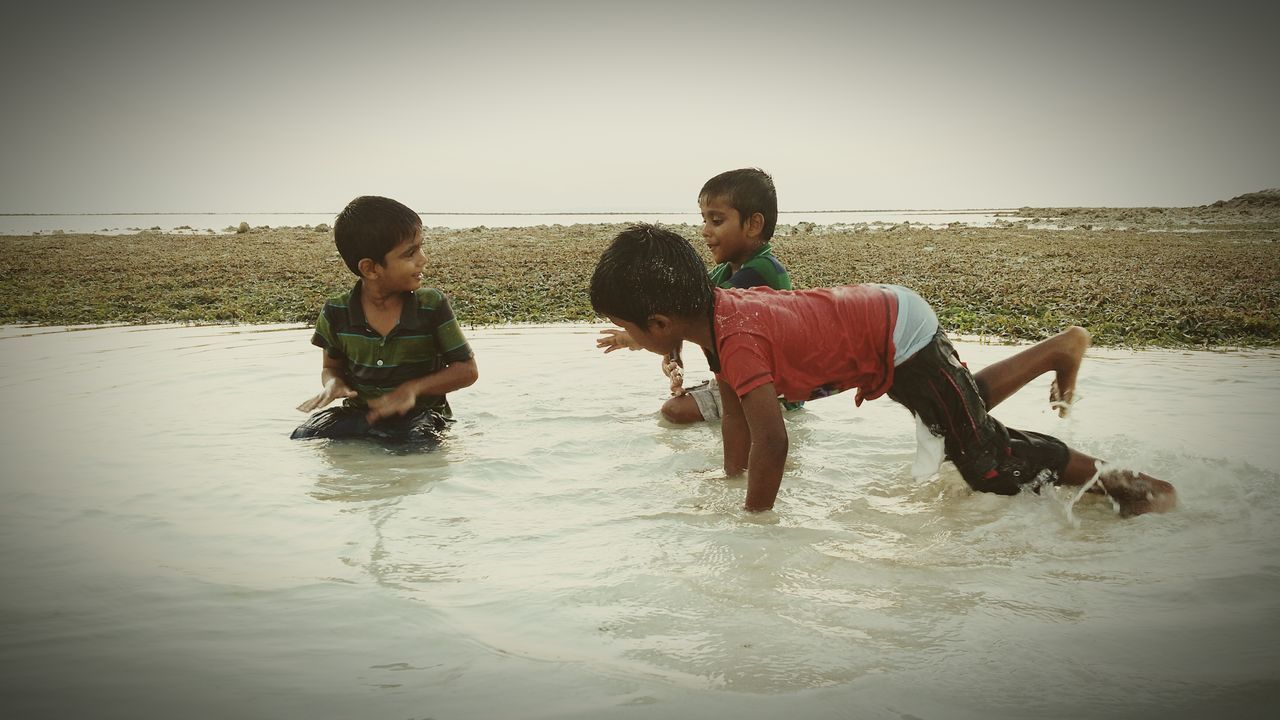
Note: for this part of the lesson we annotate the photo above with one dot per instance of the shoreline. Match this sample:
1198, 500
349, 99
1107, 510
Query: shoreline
1250, 211
1136, 219
20, 330
1132, 280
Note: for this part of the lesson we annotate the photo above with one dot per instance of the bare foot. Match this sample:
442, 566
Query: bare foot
1138, 493
1069, 346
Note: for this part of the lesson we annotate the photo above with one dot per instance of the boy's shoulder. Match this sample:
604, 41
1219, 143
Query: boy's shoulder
334, 312
341, 300
743, 309
762, 268
433, 308
429, 298
766, 259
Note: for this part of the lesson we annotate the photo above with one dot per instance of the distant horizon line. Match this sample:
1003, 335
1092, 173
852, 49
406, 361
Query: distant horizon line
506, 212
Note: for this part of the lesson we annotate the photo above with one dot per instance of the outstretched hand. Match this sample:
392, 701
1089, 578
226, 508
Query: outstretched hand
335, 389
616, 339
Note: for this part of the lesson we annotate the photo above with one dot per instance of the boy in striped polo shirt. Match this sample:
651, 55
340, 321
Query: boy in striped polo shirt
392, 348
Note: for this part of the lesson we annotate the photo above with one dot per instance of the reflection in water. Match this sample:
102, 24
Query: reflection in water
364, 470
372, 479
564, 553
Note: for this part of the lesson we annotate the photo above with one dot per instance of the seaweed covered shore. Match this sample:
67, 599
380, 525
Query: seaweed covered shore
1169, 277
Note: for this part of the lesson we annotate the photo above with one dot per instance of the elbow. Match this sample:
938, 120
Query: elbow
470, 374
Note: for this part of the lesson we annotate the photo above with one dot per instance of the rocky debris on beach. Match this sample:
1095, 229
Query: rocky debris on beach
1247, 211
1268, 199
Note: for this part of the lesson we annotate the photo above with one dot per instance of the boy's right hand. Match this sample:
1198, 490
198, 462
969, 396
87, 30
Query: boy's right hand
616, 339
335, 389
674, 370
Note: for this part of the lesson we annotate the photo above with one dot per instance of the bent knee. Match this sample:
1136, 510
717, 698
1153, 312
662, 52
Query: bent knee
1078, 335
681, 410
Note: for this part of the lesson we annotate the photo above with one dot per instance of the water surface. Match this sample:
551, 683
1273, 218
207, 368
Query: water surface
166, 551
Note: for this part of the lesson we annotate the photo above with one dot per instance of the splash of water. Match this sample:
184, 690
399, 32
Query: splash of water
1098, 468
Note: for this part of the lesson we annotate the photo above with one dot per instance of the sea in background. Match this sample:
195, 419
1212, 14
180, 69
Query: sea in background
205, 223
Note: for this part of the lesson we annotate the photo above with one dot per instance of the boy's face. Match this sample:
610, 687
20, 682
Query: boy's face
728, 237
655, 336
401, 268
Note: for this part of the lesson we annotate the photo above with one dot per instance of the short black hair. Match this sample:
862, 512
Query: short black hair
648, 270
749, 191
370, 226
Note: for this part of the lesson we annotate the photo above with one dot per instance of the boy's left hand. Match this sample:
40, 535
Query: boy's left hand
395, 403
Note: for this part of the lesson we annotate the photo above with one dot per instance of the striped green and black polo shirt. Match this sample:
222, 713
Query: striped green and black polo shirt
426, 339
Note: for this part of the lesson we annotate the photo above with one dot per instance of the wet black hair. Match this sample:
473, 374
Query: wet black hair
749, 191
648, 270
371, 226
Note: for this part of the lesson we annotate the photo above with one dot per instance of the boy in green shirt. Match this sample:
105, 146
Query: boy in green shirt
392, 348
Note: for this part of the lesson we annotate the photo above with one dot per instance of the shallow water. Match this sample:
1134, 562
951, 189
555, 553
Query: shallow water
167, 552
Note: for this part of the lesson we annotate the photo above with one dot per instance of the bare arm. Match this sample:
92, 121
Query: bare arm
454, 376
755, 440
333, 378
733, 429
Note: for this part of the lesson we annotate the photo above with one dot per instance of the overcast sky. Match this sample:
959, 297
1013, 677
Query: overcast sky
540, 106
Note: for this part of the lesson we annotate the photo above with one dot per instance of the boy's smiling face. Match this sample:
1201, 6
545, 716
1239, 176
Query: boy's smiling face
728, 238
401, 268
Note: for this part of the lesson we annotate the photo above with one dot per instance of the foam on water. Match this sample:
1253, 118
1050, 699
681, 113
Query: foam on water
167, 550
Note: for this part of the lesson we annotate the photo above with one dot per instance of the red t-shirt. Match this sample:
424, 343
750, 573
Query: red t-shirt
808, 343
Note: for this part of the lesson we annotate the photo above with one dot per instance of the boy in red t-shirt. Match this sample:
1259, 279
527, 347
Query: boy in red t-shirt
803, 345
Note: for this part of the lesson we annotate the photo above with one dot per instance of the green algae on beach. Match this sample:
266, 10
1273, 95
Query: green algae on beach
1134, 285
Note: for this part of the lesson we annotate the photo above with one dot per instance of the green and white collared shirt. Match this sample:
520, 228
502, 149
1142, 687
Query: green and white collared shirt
426, 339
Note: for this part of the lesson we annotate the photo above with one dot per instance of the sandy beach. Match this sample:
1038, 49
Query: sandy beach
1205, 276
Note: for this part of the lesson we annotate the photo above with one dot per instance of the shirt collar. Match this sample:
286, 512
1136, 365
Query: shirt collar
765, 249
409, 318
355, 309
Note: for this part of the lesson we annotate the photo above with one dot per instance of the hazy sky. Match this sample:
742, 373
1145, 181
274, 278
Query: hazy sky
538, 106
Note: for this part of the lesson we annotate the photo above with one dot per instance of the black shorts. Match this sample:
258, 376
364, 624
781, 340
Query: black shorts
347, 422
936, 387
